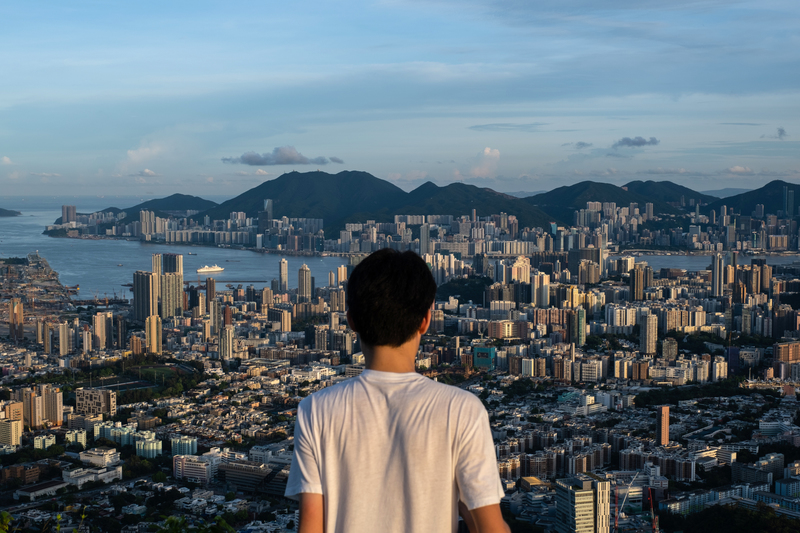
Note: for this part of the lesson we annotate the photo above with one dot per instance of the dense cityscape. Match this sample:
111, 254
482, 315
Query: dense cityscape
646, 399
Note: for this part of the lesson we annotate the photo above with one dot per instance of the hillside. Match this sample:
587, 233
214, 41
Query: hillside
175, 202
667, 191
163, 207
460, 199
352, 196
561, 202
724, 193
9, 213
771, 195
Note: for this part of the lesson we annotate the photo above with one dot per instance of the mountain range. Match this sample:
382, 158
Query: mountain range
770, 195
354, 196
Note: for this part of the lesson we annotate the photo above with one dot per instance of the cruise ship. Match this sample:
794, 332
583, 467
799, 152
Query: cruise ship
207, 269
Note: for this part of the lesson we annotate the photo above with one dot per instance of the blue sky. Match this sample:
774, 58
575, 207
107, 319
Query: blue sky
213, 98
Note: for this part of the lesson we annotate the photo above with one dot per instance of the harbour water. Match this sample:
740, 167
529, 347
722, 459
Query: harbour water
94, 264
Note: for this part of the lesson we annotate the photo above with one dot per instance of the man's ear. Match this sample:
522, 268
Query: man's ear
350, 322
426, 322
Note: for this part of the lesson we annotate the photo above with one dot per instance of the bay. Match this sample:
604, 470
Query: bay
93, 264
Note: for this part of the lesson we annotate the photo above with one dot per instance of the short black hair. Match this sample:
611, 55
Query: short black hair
388, 295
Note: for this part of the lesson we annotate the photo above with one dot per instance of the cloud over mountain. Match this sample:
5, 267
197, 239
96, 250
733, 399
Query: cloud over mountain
282, 155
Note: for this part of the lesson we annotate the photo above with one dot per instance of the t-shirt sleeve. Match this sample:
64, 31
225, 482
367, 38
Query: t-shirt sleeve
304, 471
476, 466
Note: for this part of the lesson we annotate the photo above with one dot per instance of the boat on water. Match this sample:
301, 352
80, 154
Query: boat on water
206, 269
191, 253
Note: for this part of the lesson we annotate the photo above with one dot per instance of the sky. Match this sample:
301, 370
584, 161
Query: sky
213, 98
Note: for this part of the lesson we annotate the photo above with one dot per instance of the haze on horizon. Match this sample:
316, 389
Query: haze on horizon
149, 99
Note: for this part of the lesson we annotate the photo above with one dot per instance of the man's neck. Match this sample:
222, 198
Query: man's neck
398, 359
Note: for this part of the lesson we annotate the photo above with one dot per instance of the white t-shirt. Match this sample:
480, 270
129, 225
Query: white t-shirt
394, 452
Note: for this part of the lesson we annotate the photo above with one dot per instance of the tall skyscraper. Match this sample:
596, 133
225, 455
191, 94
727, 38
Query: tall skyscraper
717, 276
226, 339
68, 214
211, 292
578, 327
16, 319
636, 283
304, 284
53, 404
583, 505
341, 274
145, 297
157, 270
171, 294
269, 209
215, 314
102, 328
122, 332
153, 334
64, 338
424, 239
283, 275
147, 219
662, 426
648, 334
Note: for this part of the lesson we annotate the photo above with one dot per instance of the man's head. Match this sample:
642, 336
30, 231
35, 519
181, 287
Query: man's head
388, 296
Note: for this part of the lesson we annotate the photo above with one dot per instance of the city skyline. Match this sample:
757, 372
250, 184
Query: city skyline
151, 101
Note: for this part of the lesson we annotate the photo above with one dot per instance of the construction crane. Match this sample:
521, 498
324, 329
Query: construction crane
616, 501
653, 515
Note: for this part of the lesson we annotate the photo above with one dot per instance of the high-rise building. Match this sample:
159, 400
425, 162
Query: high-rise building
211, 292
157, 270
10, 432
92, 402
424, 239
268, 207
16, 319
577, 332
662, 426
147, 219
717, 276
648, 335
283, 275
341, 274
145, 295
226, 340
171, 294
102, 328
53, 404
583, 505
64, 339
304, 284
68, 214
215, 316
153, 334
32, 408
122, 332
637, 283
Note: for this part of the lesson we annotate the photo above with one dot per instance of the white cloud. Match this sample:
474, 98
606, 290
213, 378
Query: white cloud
14, 175
141, 180
740, 170
45, 174
261, 172
144, 153
6, 160
487, 163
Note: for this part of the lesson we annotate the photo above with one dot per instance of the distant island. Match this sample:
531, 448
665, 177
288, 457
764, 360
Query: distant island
9, 213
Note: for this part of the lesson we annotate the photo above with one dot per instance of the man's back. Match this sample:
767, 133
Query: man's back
394, 452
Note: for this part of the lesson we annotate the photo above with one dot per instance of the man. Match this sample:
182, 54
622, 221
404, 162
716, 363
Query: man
391, 450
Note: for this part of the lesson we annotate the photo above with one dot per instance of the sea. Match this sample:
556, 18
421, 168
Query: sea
102, 267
